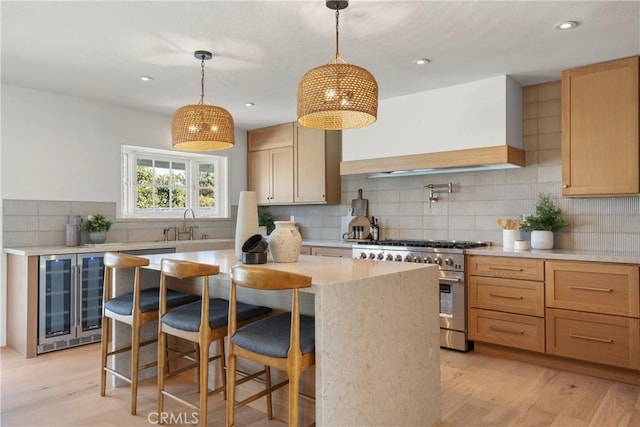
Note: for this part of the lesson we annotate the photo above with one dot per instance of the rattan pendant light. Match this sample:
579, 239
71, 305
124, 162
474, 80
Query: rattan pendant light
337, 95
202, 127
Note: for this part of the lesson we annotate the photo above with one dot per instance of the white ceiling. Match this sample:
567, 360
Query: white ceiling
261, 48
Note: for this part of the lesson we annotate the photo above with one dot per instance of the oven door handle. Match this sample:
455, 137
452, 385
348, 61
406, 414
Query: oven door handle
451, 279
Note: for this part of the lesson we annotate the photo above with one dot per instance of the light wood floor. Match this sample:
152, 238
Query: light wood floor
62, 389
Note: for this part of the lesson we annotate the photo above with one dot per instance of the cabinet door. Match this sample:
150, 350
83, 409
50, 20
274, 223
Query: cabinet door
600, 129
310, 166
270, 137
611, 340
506, 267
259, 175
281, 175
593, 287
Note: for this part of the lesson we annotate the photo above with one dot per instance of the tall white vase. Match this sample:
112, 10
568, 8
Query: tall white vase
285, 242
247, 220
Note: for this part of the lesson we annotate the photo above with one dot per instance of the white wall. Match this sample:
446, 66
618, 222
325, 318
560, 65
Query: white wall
58, 147
483, 113
64, 148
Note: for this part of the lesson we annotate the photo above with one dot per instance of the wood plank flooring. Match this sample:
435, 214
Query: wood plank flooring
62, 389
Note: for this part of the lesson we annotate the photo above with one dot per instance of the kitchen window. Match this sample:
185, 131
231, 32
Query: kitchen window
164, 184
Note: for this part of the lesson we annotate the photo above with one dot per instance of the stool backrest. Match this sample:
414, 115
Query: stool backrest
181, 269
115, 260
269, 280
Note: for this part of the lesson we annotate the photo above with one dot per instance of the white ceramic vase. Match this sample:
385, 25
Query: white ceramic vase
285, 242
246, 221
541, 239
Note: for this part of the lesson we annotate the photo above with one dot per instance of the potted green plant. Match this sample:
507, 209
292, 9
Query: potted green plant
543, 223
96, 227
265, 221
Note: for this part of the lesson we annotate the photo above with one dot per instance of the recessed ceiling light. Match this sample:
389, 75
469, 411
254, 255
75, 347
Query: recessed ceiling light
146, 78
566, 25
422, 61
249, 104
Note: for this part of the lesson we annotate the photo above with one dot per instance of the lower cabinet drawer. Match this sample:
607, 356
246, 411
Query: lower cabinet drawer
610, 340
513, 296
512, 330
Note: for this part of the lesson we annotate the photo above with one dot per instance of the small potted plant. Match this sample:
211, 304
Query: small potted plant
543, 223
265, 221
96, 227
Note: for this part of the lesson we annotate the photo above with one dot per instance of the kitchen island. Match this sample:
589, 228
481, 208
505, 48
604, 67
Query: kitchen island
377, 335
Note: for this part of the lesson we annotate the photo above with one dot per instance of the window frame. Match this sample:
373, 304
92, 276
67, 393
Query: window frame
129, 160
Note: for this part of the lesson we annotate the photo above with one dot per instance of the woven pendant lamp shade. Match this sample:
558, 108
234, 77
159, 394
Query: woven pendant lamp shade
337, 96
202, 128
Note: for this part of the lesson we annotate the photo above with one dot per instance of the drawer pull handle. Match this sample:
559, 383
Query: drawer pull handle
508, 331
507, 268
584, 337
589, 288
506, 296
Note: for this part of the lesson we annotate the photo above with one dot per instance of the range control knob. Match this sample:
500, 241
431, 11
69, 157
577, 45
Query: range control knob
363, 255
372, 255
428, 260
448, 261
408, 258
417, 258
398, 258
380, 256
389, 257
438, 260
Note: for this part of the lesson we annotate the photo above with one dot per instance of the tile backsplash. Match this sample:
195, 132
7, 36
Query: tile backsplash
43, 223
469, 213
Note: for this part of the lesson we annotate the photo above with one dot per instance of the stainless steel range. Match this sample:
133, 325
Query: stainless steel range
448, 255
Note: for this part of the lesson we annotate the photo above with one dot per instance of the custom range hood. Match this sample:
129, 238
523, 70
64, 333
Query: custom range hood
472, 126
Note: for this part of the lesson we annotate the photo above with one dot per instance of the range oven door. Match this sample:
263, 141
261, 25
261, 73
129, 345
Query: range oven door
453, 319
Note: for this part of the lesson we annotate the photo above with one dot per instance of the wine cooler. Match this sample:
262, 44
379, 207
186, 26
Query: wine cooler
69, 300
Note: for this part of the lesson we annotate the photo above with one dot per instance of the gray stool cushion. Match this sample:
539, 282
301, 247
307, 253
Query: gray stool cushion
271, 336
187, 317
149, 301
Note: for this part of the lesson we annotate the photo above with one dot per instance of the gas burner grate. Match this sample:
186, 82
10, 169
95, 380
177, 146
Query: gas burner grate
441, 244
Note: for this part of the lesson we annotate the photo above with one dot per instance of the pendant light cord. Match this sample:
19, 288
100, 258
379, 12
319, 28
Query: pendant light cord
202, 83
337, 32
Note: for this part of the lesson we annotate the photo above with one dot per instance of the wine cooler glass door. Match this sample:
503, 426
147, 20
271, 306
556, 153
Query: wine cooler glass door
56, 298
91, 282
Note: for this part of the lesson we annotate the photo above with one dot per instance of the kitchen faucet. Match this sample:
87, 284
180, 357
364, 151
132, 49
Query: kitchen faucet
184, 224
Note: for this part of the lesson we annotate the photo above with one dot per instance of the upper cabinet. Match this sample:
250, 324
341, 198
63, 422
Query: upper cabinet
600, 135
291, 164
270, 164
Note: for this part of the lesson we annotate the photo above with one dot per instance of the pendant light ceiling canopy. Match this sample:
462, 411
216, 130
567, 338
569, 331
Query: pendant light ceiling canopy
202, 127
337, 95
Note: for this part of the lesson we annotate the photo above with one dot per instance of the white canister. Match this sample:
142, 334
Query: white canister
285, 242
508, 238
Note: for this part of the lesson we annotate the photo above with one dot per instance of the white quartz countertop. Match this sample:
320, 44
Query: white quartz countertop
623, 257
323, 270
105, 247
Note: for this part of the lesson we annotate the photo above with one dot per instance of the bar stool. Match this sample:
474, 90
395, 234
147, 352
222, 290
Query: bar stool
201, 322
285, 341
136, 309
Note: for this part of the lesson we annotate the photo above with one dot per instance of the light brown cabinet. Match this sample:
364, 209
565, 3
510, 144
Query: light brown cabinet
600, 133
291, 164
506, 301
270, 164
593, 312
331, 252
